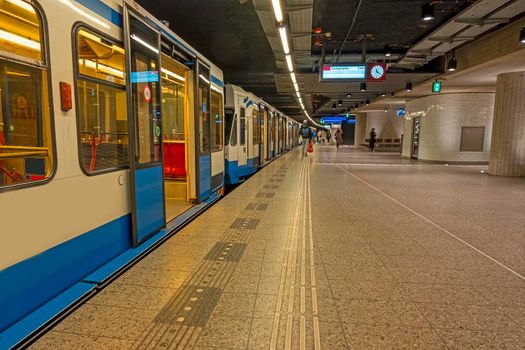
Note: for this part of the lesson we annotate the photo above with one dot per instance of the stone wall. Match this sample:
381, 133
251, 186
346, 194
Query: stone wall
442, 119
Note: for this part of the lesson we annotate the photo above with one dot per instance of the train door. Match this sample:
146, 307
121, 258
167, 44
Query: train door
266, 134
203, 130
242, 138
416, 138
255, 127
145, 133
174, 80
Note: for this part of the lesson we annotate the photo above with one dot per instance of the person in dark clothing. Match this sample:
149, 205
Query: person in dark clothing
306, 134
373, 140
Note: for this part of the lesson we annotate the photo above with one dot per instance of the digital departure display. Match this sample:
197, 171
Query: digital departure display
344, 72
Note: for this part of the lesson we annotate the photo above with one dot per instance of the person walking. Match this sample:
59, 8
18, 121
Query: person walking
373, 140
338, 137
306, 134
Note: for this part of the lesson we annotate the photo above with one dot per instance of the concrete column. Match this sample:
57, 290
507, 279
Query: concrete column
360, 129
507, 151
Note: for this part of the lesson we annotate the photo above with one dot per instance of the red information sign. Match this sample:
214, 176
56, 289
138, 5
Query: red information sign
147, 93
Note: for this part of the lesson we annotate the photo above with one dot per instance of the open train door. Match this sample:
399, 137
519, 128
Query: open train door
142, 43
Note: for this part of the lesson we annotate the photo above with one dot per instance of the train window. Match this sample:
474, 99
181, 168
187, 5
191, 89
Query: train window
256, 129
242, 124
173, 76
216, 132
228, 121
233, 138
204, 110
26, 137
101, 95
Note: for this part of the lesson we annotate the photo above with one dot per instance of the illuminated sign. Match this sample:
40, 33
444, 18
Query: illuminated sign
401, 112
337, 119
436, 86
344, 72
145, 77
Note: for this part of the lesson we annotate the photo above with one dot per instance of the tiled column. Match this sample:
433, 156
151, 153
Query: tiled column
360, 129
507, 151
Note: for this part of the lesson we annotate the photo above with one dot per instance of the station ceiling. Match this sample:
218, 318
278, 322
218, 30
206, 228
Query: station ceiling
234, 34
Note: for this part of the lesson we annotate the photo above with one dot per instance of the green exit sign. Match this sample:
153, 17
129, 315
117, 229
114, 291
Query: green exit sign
436, 86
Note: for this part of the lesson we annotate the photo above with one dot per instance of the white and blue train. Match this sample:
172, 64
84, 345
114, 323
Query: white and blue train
256, 133
111, 135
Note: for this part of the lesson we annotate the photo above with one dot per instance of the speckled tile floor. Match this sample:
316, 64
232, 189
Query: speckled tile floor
343, 250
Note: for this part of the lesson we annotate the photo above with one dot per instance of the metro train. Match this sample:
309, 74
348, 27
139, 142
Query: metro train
257, 133
111, 127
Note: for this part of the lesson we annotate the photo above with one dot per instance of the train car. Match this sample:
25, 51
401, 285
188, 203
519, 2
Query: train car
110, 126
256, 133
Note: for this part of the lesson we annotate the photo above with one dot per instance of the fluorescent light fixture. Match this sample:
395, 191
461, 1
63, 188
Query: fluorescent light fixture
408, 87
22, 4
298, 94
218, 90
362, 87
204, 78
143, 43
17, 39
284, 40
69, 4
277, 10
289, 62
171, 74
97, 39
102, 67
296, 87
300, 100
292, 75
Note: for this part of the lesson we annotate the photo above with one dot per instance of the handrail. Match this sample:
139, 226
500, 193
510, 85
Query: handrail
24, 148
11, 155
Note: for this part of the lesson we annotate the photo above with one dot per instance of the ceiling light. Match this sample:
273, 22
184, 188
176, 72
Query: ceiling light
289, 63
362, 86
349, 95
452, 64
333, 106
292, 75
284, 40
16, 39
522, 35
408, 87
171, 74
298, 94
367, 102
356, 106
143, 43
340, 102
388, 51
383, 94
204, 78
427, 12
277, 10
296, 87
22, 4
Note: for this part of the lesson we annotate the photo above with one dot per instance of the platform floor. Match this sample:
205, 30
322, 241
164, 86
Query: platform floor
342, 250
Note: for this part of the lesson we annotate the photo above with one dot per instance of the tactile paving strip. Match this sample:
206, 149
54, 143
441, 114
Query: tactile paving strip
224, 251
181, 320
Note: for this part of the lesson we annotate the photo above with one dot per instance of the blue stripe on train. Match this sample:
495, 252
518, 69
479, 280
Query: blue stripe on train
234, 172
32, 282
